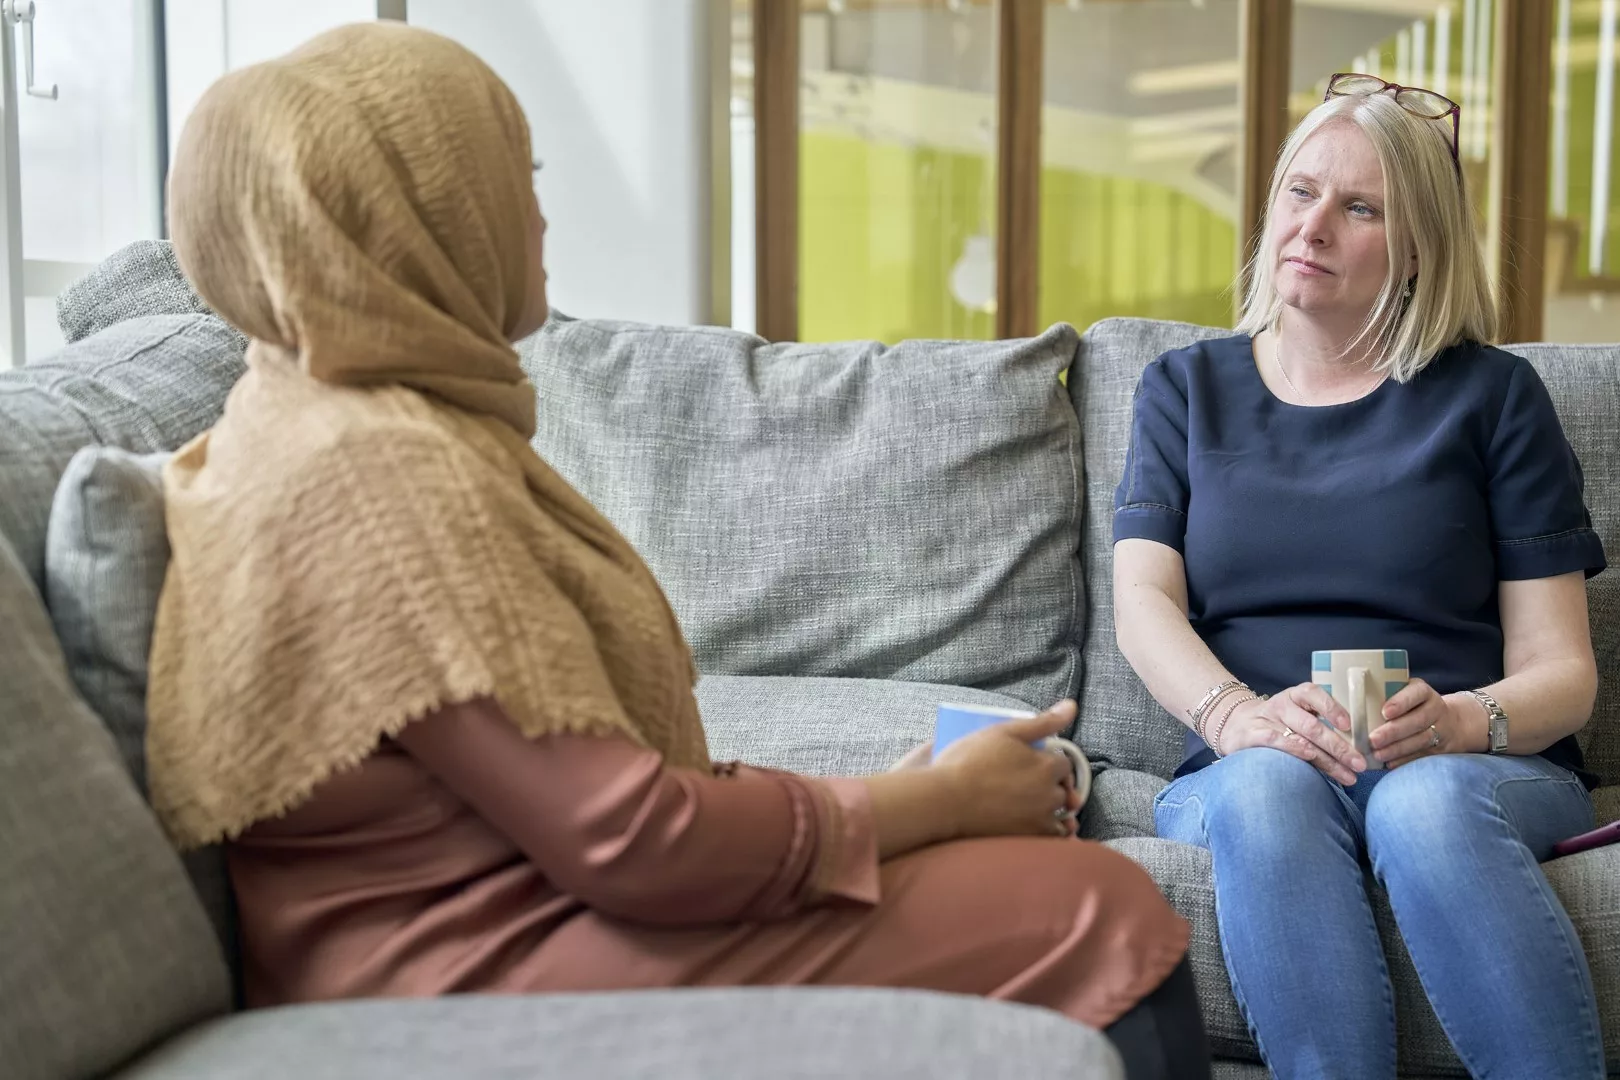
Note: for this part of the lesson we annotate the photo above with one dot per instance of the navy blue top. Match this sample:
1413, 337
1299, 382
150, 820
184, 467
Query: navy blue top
1384, 522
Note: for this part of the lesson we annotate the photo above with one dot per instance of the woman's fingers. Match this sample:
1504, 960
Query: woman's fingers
1315, 700
1309, 727
1424, 742
1410, 729
1303, 734
1412, 696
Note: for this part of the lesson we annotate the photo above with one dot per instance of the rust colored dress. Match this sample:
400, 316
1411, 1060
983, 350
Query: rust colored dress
464, 857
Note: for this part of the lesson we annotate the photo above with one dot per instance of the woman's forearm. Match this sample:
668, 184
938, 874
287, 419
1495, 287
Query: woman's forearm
1544, 702
911, 808
1170, 658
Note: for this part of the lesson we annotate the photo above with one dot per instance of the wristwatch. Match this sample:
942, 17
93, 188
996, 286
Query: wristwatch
1497, 743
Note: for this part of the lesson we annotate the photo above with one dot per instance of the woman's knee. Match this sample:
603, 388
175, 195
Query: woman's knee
1089, 865
1422, 809
1260, 792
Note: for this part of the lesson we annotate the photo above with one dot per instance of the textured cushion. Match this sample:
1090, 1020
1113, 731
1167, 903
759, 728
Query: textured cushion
144, 385
105, 556
846, 509
1119, 722
1588, 884
1606, 804
140, 279
1584, 381
103, 948
824, 727
1121, 805
797, 1034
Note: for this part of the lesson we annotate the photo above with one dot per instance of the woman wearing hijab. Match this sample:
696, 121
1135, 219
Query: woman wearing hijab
439, 711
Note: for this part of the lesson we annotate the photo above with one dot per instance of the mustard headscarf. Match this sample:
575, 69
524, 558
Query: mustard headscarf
366, 535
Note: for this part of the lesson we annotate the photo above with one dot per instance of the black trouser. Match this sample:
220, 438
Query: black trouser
1162, 1037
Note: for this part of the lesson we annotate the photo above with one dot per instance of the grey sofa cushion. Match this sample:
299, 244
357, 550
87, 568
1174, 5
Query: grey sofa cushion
1584, 381
145, 385
1119, 721
786, 1034
105, 556
840, 509
142, 278
1588, 884
1121, 805
824, 727
103, 948
106, 551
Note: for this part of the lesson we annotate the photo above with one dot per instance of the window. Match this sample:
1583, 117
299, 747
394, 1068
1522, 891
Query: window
89, 160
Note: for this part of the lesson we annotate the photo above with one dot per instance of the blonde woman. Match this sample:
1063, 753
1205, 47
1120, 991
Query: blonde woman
1359, 468
436, 707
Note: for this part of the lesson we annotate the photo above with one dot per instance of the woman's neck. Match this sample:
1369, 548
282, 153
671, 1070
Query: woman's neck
1323, 358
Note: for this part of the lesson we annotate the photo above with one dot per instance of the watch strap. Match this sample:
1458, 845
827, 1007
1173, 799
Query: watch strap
1497, 723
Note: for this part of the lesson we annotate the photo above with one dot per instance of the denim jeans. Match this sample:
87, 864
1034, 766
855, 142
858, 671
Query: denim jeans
1455, 839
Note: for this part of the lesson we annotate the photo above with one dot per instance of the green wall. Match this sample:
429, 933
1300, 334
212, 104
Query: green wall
882, 225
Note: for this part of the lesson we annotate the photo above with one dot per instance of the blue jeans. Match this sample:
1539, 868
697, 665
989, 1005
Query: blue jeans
1455, 840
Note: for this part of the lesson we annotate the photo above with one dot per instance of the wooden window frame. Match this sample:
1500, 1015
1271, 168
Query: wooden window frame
1020, 94
1516, 236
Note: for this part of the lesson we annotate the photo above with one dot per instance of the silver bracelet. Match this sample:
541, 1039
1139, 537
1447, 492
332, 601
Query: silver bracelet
1200, 712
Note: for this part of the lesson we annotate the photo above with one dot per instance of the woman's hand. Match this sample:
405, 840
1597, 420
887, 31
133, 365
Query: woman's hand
915, 758
1003, 786
1419, 722
1292, 721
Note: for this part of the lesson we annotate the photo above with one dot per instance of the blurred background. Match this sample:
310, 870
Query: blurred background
834, 169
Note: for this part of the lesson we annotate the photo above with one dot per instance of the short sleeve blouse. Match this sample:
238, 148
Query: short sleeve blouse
1384, 522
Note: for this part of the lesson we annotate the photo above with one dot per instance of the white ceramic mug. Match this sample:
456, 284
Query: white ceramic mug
1361, 680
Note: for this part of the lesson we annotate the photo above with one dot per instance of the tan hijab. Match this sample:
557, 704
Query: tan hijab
366, 535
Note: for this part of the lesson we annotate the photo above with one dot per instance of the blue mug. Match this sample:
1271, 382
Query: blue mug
953, 721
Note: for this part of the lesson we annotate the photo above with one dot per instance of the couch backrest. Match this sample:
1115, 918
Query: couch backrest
144, 370
1119, 719
844, 509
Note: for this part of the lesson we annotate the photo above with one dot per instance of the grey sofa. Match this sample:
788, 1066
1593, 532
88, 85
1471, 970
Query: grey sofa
850, 534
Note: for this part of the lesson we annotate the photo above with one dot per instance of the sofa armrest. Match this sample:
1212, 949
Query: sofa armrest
859, 1034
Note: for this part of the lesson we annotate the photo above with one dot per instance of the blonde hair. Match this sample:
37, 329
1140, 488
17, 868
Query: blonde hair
1426, 213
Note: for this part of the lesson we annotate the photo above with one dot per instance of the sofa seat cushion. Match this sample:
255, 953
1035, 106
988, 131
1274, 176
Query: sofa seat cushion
822, 726
670, 1034
1588, 884
847, 509
104, 949
1121, 805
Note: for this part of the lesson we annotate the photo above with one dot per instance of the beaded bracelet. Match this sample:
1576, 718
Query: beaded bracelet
1200, 712
1215, 740
1203, 721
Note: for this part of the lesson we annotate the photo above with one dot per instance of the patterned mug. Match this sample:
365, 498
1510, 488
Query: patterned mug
1361, 680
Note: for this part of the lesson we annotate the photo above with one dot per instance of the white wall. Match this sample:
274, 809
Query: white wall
618, 96
207, 38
